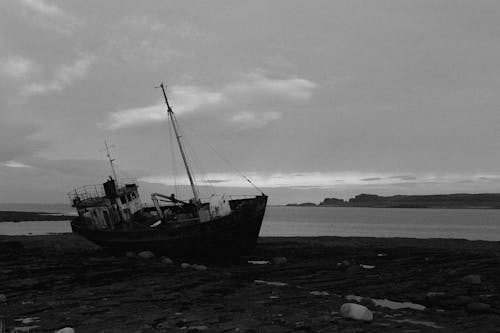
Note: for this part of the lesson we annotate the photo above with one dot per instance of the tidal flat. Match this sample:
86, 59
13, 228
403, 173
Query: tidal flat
289, 284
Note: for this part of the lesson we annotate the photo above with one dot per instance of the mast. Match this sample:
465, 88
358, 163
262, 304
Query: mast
181, 148
111, 160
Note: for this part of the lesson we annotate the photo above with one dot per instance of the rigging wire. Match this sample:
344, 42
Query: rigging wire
193, 157
199, 167
225, 160
197, 162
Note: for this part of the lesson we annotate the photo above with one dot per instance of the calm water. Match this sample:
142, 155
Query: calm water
46, 208
383, 222
471, 224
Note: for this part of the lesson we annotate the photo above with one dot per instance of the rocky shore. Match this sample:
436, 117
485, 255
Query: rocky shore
287, 285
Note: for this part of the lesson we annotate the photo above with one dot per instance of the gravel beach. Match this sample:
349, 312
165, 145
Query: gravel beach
286, 285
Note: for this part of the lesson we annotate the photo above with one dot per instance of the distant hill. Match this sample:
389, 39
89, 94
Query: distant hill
458, 200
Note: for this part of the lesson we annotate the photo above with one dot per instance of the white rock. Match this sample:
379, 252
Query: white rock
146, 254
166, 260
258, 262
356, 311
200, 267
185, 265
3, 298
66, 330
271, 283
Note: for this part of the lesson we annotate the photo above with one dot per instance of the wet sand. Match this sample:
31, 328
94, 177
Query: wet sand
66, 281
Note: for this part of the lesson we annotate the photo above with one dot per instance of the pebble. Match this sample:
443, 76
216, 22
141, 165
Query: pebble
478, 307
356, 312
166, 260
472, 279
185, 265
3, 298
279, 260
66, 330
146, 254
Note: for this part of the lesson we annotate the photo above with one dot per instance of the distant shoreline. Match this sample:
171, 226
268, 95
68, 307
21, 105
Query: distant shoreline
437, 201
399, 207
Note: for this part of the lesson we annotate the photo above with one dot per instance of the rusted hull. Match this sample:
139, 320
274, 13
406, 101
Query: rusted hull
235, 234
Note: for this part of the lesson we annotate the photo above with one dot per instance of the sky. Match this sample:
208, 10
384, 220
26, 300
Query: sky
308, 99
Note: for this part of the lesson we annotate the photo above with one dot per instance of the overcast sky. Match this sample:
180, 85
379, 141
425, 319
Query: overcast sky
307, 98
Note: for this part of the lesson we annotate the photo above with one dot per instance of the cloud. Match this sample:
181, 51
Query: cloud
14, 164
134, 38
245, 120
254, 89
183, 29
372, 179
257, 83
17, 67
324, 180
404, 177
64, 76
43, 7
186, 99
303, 179
51, 16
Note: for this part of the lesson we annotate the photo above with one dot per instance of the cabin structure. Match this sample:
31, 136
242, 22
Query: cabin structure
108, 205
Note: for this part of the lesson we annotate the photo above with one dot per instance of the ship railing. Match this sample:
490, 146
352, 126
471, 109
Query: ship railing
86, 192
96, 191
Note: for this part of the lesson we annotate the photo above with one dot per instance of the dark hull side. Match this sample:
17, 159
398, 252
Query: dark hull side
232, 235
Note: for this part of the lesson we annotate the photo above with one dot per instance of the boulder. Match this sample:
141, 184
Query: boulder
200, 267
66, 330
472, 279
3, 298
146, 255
356, 312
185, 265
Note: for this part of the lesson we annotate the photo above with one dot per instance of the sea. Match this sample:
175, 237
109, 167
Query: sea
472, 224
